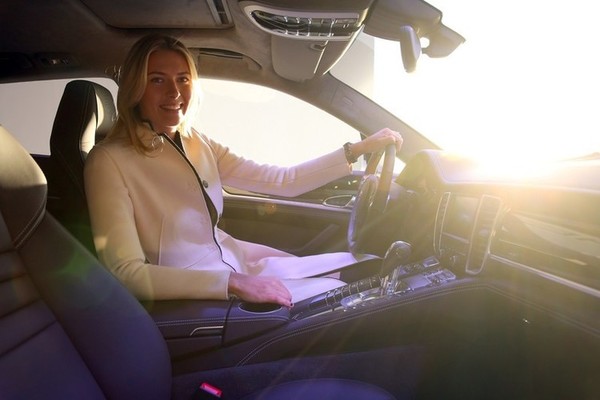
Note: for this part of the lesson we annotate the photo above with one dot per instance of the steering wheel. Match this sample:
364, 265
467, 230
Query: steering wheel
371, 199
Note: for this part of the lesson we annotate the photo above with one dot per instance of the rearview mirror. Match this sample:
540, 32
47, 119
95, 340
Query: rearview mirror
410, 47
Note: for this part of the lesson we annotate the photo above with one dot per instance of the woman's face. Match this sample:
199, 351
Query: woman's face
168, 91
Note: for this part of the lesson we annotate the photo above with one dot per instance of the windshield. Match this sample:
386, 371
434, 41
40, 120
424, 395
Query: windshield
524, 84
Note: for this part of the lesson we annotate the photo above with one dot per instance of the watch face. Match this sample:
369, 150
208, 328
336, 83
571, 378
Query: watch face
350, 157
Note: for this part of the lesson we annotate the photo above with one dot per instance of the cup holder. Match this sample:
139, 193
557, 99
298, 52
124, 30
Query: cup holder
259, 308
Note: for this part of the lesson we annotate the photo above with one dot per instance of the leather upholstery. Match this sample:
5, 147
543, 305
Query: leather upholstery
330, 389
85, 115
68, 328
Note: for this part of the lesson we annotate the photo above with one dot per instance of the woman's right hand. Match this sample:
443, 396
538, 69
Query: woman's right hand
259, 289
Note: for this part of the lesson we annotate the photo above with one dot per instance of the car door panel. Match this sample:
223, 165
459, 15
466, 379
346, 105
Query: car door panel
312, 223
296, 227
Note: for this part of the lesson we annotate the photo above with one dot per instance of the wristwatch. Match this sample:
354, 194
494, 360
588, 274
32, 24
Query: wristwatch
350, 156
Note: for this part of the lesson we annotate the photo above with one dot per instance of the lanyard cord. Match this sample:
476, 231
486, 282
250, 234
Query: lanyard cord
212, 210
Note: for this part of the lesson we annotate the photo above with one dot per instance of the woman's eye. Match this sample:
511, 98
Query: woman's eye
156, 80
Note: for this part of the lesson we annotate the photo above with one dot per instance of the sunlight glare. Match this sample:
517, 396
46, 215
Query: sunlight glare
518, 169
519, 88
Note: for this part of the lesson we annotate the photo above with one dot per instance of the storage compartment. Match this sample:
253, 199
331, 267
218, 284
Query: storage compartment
197, 326
247, 320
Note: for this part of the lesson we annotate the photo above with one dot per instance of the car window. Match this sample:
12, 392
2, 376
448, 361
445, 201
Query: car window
268, 126
28, 109
521, 84
258, 123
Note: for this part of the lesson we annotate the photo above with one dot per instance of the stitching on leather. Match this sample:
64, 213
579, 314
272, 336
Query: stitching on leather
30, 226
184, 322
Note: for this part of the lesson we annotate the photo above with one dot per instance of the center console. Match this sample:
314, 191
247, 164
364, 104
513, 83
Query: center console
217, 332
192, 328
403, 279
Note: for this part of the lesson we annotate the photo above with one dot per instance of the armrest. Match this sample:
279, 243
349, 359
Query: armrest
200, 325
190, 326
189, 318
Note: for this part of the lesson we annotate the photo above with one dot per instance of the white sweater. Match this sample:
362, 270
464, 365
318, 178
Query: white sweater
152, 228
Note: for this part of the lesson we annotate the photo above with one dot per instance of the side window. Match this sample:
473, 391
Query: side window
268, 126
272, 127
28, 110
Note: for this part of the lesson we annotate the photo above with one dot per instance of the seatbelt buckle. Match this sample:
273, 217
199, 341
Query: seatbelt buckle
206, 391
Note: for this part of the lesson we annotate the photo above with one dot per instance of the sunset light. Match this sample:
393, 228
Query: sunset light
513, 90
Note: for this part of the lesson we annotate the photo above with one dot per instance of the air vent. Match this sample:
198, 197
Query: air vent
482, 234
305, 25
439, 222
219, 11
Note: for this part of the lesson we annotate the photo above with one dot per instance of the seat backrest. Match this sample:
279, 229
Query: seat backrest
68, 328
85, 115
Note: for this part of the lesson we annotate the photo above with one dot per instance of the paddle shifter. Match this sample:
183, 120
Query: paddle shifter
397, 254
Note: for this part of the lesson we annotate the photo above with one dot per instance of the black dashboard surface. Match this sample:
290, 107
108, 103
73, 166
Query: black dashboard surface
548, 216
437, 167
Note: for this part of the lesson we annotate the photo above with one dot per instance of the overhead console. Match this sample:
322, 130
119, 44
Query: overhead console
309, 37
342, 25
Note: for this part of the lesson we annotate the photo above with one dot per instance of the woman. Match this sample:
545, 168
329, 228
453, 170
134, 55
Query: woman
154, 193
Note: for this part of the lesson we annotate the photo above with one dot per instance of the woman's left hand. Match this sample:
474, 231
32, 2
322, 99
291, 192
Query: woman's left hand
377, 141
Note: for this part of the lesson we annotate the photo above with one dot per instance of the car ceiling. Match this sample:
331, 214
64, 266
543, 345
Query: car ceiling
44, 39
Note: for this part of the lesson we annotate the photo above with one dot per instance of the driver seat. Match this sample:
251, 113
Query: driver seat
68, 328
85, 115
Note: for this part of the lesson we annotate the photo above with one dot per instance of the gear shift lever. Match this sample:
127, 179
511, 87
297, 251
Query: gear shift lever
397, 254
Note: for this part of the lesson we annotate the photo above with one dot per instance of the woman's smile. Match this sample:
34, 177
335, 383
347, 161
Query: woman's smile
168, 91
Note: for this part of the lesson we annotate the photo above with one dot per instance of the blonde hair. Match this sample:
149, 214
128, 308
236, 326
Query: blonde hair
132, 80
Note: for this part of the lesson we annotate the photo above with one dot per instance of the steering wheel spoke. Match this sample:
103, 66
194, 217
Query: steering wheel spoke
371, 199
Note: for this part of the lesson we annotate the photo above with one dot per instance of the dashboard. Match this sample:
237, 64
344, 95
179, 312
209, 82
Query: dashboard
547, 221
477, 240
546, 225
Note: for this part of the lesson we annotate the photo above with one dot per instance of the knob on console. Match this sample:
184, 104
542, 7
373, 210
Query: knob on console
397, 254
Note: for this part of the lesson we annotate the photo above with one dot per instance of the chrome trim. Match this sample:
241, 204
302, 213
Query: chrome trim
304, 25
268, 200
563, 281
207, 328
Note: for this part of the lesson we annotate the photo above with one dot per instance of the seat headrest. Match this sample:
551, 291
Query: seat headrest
85, 115
23, 190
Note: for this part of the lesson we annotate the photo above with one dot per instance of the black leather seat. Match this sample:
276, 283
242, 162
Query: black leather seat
330, 389
85, 114
68, 328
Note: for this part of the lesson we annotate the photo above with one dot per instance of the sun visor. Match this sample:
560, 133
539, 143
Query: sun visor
162, 14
